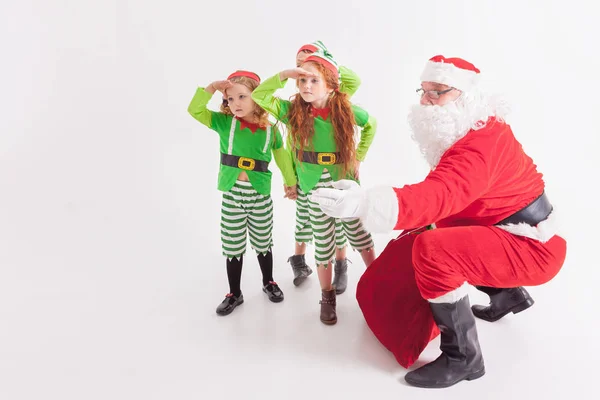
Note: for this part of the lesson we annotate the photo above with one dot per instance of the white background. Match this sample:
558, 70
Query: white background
110, 265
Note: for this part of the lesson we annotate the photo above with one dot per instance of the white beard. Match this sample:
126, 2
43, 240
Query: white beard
436, 129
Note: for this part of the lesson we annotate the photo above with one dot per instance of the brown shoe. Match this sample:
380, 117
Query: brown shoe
328, 314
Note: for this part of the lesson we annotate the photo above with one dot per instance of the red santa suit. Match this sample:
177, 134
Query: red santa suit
482, 179
478, 182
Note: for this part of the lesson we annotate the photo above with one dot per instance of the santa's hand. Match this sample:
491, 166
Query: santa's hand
346, 200
377, 207
345, 184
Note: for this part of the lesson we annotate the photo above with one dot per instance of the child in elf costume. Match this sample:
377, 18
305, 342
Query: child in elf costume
303, 233
247, 142
321, 121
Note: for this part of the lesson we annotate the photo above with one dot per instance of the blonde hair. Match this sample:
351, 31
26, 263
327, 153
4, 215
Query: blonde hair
261, 115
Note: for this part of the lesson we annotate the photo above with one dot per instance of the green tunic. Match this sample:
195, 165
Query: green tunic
259, 145
323, 139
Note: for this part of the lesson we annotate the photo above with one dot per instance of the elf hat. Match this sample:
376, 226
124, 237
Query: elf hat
326, 59
455, 72
312, 47
247, 74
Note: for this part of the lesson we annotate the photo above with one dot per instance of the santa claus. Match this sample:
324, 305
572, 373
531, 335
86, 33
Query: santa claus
480, 217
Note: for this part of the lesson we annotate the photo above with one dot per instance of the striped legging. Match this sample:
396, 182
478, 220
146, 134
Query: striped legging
327, 232
244, 211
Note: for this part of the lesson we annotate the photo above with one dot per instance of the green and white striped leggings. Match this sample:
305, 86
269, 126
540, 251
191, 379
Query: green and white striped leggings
327, 232
246, 212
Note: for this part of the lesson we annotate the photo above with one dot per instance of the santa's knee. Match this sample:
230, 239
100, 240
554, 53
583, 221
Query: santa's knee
427, 253
435, 270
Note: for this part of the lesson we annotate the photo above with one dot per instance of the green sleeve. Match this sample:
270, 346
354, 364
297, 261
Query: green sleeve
369, 127
350, 81
289, 148
277, 139
283, 159
285, 165
263, 96
198, 110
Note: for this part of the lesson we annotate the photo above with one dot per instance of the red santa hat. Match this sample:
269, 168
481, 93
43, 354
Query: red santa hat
247, 74
455, 72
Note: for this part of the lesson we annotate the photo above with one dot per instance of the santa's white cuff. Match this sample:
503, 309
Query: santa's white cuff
381, 215
452, 296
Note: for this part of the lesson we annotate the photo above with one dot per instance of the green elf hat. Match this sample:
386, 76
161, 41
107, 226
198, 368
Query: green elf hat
326, 59
312, 47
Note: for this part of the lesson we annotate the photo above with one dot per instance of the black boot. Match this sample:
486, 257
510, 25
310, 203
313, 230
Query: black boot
300, 268
461, 355
340, 279
503, 302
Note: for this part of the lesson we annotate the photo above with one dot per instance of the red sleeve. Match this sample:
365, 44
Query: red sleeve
461, 177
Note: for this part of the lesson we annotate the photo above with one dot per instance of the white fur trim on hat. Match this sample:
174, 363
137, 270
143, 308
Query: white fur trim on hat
449, 74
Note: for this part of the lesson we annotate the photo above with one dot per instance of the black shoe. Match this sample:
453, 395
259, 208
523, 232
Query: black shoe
229, 304
300, 268
274, 292
340, 279
461, 355
505, 301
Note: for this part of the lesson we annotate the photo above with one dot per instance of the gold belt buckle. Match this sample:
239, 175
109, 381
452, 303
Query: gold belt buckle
329, 158
246, 163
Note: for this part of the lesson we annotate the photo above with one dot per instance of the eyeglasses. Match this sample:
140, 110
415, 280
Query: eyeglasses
433, 94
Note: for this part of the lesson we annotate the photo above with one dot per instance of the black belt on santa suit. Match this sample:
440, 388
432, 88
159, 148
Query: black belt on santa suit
536, 212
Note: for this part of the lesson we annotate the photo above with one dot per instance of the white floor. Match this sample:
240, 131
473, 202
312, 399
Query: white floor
137, 321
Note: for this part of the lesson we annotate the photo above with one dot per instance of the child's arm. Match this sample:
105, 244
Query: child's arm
289, 147
369, 127
197, 107
285, 165
350, 81
283, 160
263, 94
291, 192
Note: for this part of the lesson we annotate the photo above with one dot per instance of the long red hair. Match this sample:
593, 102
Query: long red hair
301, 121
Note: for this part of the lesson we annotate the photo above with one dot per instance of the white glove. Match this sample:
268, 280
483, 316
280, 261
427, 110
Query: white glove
346, 200
377, 207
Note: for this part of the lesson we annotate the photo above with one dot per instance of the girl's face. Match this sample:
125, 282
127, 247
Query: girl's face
313, 89
240, 101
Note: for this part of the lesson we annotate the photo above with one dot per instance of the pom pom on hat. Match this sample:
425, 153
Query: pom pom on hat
454, 72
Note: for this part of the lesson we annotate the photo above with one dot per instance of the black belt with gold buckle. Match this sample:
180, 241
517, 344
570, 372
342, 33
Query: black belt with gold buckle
536, 212
245, 163
314, 157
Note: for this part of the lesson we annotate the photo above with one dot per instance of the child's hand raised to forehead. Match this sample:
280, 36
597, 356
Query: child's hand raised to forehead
222, 86
295, 73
